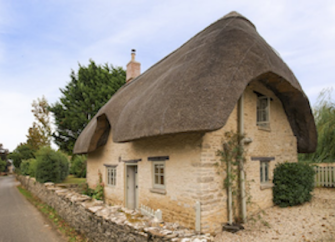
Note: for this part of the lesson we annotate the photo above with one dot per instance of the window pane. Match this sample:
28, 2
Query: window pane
266, 171
261, 172
162, 180
156, 179
156, 168
161, 170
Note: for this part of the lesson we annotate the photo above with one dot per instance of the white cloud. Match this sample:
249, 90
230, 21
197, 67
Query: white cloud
16, 118
41, 41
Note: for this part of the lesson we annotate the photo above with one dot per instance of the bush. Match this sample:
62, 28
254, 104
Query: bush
78, 166
24, 167
51, 166
3, 165
28, 167
293, 184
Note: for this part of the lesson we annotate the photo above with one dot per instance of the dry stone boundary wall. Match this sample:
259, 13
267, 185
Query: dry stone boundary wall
100, 222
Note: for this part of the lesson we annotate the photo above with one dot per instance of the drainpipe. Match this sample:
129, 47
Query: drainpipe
241, 165
230, 194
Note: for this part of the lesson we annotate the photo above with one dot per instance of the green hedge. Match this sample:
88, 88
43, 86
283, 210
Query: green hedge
78, 166
52, 166
28, 167
293, 184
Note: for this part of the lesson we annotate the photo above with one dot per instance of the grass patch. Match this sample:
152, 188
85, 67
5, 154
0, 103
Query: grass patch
52, 215
71, 179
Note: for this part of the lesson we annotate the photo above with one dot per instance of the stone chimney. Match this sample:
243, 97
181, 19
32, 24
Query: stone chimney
133, 68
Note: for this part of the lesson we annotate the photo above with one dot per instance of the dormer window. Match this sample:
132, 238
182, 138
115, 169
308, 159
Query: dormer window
263, 112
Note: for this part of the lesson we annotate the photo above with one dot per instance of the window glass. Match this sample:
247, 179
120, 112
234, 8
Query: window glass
111, 176
263, 111
264, 171
159, 173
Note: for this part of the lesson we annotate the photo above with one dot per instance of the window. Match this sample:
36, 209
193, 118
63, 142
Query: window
264, 171
263, 112
111, 176
159, 174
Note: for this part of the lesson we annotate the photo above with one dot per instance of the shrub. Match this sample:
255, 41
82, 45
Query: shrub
78, 166
3, 165
28, 167
293, 184
51, 166
98, 192
24, 167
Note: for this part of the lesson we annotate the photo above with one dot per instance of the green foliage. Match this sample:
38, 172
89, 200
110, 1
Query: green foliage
24, 168
22, 152
85, 94
78, 166
3, 165
324, 114
230, 157
293, 183
39, 134
28, 167
52, 166
98, 192
232, 153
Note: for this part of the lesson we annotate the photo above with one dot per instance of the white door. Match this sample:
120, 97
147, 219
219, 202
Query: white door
132, 186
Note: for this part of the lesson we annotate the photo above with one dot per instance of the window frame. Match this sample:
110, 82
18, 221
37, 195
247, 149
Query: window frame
111, 181
264, 171
261, 122
154, 184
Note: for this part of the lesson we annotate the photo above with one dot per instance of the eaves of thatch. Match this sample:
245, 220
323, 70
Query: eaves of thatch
195, 88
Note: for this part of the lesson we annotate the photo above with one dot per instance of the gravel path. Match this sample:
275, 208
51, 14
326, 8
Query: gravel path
313, 221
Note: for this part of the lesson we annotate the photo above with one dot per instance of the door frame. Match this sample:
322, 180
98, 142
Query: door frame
126, 184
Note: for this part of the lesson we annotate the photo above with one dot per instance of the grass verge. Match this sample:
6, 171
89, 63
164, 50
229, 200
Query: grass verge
74, 180
51, 214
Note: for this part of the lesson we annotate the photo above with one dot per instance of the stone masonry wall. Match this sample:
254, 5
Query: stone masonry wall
100, 222
177, 202
278, 142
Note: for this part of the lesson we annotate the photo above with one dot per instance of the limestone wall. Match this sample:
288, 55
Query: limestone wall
278, 142
100, 222
181, 173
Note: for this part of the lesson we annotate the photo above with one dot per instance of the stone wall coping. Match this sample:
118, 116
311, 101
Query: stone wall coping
129, 223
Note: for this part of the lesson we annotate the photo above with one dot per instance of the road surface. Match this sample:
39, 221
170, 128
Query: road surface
20, 221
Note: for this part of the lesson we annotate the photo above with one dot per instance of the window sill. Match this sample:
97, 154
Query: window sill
159, 191
264, 128
266, 186
111, 186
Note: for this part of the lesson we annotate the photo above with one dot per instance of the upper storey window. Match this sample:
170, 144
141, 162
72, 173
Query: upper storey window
263, 112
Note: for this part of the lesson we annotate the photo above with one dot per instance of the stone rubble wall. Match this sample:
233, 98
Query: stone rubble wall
100, 222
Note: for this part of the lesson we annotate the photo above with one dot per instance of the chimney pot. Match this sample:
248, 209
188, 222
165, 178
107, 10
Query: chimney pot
133, 68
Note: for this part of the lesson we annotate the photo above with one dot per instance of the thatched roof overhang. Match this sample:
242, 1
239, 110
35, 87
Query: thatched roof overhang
195, 88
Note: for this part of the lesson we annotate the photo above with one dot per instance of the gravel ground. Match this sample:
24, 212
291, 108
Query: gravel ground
313, 221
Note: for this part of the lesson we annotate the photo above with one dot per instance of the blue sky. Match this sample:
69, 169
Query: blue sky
42, 40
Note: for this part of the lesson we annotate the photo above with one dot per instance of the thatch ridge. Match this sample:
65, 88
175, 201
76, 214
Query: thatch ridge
187, 90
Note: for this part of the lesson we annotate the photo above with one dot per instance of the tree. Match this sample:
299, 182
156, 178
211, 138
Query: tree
39, 134
324, 114
22, 152
4, 163
89, 89
51, 166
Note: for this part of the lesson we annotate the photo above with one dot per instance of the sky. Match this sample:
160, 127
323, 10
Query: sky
41, 41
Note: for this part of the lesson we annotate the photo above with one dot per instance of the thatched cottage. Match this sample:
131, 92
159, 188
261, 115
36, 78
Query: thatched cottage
155, 140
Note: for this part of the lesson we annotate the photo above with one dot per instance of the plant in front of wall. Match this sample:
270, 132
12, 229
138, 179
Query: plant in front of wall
293, 183
98, 192
99, 189
231, 156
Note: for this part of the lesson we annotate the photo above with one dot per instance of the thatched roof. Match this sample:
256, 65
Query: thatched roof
195, 88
